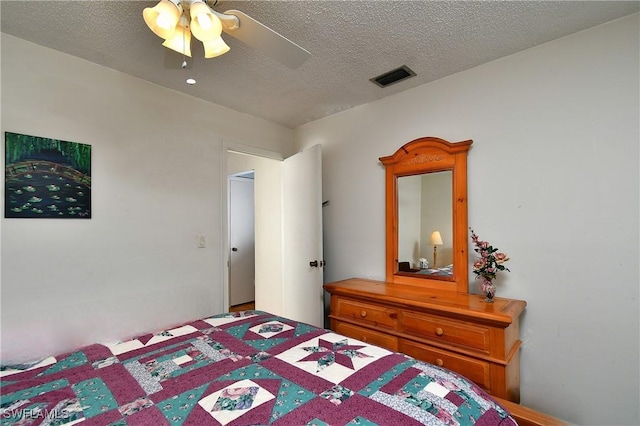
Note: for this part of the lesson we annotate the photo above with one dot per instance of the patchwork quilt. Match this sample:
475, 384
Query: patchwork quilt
242, 368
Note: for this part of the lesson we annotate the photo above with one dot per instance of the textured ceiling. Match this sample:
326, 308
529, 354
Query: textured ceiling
350, 42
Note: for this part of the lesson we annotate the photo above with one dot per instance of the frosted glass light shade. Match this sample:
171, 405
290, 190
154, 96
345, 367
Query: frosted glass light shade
163, 18
205, 26
180, 41
436, 238
215, 48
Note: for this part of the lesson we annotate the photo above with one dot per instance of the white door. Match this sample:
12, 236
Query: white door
302, 237
241, 241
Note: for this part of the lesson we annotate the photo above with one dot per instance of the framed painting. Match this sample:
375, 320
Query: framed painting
46, 178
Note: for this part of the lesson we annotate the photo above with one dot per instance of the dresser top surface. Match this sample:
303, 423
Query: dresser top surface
501, 311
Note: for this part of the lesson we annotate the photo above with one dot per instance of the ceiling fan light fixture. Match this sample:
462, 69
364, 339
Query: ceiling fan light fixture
205, 26
176, 20
180, 41
215, 48
163, 17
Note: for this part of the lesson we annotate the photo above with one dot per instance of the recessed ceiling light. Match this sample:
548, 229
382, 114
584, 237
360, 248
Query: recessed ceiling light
191, 81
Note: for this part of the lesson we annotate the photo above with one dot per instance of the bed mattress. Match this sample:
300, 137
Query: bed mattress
242, 368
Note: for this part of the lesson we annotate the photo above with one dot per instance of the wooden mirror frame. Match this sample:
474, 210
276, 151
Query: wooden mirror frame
426, 155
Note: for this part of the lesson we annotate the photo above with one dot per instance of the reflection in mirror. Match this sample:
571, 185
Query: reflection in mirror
424, 214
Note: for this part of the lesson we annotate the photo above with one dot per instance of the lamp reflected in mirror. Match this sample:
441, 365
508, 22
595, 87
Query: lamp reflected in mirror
435, 241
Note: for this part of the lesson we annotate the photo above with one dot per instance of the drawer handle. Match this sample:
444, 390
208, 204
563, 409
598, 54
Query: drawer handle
439, 362
439, 331
363, 314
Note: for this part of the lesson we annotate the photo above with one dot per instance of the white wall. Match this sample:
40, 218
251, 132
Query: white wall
553, 182
157, 159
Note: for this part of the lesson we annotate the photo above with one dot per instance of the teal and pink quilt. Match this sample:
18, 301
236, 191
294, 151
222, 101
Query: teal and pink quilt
243, 368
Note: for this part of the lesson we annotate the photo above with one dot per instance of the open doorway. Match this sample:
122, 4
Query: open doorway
288, 231
267, 210
241, 241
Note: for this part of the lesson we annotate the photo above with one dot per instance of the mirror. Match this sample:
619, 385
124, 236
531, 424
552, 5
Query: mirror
426, 214
425, 224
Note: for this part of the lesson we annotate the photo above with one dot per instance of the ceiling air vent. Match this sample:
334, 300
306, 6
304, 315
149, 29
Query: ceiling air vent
393, 76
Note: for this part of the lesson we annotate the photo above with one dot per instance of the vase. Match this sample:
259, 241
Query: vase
489, 290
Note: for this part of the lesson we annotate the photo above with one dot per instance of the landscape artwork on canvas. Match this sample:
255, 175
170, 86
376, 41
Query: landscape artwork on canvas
46, 178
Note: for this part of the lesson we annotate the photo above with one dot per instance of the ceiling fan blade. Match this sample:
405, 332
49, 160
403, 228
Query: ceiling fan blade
263, 38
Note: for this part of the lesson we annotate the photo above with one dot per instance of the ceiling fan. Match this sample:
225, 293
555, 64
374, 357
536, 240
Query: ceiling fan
177, 20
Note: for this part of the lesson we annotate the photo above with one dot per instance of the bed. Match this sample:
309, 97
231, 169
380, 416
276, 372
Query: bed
443, 271
241, 368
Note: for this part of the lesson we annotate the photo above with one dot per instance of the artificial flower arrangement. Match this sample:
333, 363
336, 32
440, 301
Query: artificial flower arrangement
491, 262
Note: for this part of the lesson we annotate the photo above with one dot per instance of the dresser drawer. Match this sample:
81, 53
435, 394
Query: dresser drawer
366, 313
444, 330
368, 336
475, 370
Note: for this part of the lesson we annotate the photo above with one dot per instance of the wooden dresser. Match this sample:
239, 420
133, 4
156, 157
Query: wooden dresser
458, 331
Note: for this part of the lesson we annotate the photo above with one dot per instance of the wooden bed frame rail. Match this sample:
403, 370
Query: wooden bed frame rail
529, 417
